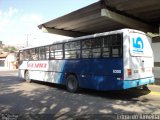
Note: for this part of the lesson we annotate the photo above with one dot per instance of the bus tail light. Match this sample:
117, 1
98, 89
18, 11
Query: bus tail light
129, 72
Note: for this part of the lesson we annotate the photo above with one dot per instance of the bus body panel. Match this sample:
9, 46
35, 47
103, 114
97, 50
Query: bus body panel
138, 59
94, 74
100, 77
48, 71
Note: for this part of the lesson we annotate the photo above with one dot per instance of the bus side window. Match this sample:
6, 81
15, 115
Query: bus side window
21, 56
59, 51
86, 49
72, 50
52, 52
36, 54
116, 46
77, 47
106, 45
27, 54
112, 45
32, 54
47, 52
42, 55
96, 47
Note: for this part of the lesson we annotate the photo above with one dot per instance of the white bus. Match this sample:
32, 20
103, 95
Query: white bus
113, 60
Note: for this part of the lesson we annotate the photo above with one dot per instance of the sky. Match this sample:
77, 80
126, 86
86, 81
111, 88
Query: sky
19, 19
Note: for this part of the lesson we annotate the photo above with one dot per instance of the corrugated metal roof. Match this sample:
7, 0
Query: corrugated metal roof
142, 15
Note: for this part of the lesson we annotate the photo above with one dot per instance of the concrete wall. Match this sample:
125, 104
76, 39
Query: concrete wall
156, 51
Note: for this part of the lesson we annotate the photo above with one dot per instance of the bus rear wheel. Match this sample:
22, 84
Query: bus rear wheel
27, 77
72, 83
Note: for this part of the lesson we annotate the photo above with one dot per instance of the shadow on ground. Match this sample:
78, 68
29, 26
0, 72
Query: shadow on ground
39, 100
128, 94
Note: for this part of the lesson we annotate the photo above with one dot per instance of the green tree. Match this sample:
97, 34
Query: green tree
12, 49
6, 49
9, 49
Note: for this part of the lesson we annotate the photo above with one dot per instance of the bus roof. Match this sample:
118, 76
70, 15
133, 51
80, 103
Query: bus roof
88, 36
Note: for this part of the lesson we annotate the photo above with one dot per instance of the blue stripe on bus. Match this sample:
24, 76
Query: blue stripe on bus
94, 71
61, 77
97, 74
134, 83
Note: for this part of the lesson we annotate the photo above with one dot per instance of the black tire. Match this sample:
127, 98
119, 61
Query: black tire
27, 77
72, 83
145, 87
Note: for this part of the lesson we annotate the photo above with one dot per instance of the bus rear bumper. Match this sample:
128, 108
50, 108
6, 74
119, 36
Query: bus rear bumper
138, 82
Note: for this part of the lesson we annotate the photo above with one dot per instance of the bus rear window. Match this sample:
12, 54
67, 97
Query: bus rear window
140, 45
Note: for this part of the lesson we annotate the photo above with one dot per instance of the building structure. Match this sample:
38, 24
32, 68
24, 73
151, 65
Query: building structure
3, 56
8, 60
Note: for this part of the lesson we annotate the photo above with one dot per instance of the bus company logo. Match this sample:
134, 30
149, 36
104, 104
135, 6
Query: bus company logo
37, 65
137, 45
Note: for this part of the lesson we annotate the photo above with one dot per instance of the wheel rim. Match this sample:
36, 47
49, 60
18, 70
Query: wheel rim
72, 84
27, 76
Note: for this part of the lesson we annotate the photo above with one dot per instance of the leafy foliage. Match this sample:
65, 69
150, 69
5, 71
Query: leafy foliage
9, 49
